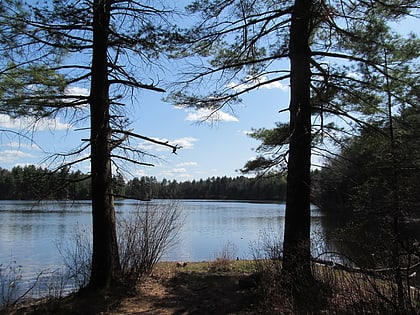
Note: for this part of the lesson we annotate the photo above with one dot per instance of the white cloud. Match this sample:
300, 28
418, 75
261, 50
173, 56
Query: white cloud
8, 122
150, 146
19, 145
44, 123
139, 173
185, 177
206, 114
187, 164
76, 91
276, 85
179, 170
250, 82
33, 124
185, 143
9, 156
177, 173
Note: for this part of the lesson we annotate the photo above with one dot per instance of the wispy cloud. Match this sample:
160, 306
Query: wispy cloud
32, 123
10, 156
185, 143
179, 170
76, 91
187, 164
205, 114
20, 145
178, 173
253, 81
44, 123
139, 173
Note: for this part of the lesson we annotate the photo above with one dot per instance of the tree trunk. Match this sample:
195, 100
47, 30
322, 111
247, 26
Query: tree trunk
296, 246
105, 259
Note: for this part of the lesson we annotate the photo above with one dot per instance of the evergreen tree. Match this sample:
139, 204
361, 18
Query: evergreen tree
359, 181
336, 70
373, 182
95, 45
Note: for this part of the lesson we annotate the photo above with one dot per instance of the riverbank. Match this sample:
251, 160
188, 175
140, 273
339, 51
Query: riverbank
229, 287
196, 288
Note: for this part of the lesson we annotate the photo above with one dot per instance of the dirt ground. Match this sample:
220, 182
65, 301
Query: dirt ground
220, 288
192, 292
198, 288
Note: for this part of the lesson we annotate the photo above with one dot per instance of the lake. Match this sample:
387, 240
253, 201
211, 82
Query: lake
30, 232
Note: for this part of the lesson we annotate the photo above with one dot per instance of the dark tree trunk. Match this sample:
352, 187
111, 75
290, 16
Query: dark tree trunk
296, 246
105, 259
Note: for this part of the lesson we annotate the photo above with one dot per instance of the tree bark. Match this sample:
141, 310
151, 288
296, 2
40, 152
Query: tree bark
105, 259
296, 246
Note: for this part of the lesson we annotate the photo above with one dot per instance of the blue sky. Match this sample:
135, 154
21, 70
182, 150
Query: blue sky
208, 149
218, 148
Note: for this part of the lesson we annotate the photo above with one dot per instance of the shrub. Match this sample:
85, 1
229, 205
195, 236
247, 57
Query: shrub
144, 235
77, 256
224, 258
10, 278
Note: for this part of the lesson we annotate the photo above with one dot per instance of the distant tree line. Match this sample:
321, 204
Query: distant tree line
238, 188
32, 183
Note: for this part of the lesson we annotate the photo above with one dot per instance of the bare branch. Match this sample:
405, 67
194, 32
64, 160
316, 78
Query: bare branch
135, 135
131, 160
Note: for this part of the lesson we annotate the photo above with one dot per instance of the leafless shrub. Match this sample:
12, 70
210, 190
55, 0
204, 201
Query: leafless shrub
77, 255
344, 288
352, 293
224, 258
53, 285
365, 291
14, 290
267, 252
144, 235
280, 293
10, 281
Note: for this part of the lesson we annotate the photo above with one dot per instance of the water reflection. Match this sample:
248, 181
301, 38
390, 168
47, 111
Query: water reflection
30, 232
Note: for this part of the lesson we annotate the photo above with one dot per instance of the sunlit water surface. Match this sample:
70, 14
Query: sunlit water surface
31, 233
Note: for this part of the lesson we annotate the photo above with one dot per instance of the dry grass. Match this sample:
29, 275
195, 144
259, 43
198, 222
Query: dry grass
358, 293
199, 288
193, 289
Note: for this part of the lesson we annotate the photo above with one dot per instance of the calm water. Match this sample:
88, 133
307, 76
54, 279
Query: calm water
30, 232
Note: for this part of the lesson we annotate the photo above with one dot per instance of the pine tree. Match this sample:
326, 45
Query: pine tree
334, 71
50, 48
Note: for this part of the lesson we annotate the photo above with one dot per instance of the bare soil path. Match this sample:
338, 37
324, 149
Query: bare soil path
198, 288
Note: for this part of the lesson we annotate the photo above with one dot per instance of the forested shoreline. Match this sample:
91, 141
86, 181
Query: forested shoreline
32, 183
349, 71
